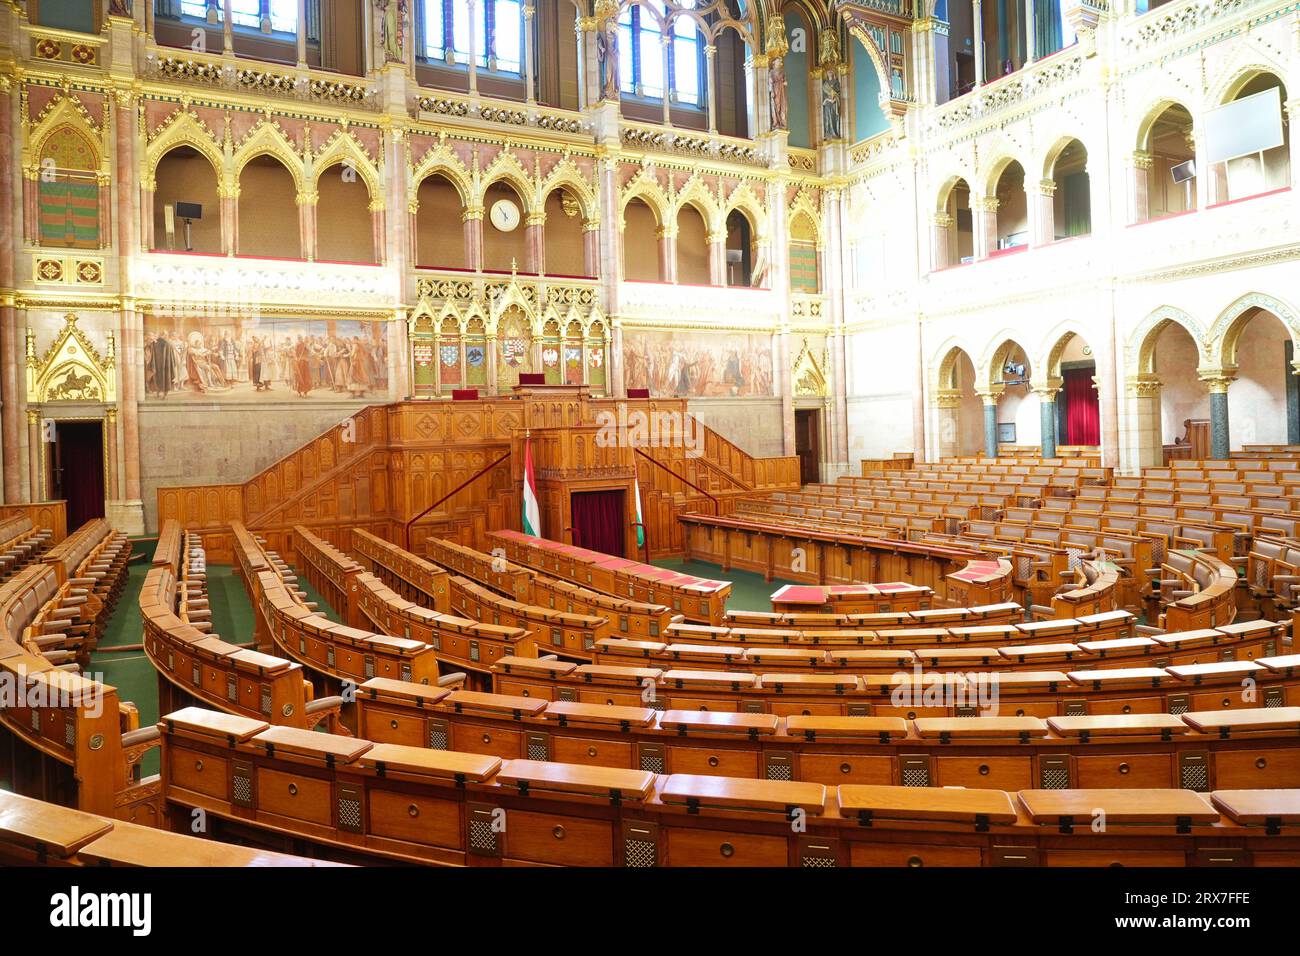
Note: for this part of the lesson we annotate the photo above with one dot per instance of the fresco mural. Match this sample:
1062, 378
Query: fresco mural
264, 359
698, 365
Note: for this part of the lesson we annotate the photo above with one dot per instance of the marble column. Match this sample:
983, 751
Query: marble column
229, 197
947, 420
591, 248
710, 87
717, 258
1144, 433
985, 213
472, 219
1044, 214
378, 239
667, 254
472, 12
1292, 398
666, 42
1047, 419
1029, 33
35, 450
1217, 380
227, 29
307, 225
9, 351
535, 243
1139, 165
918, 396
941, 241
990, 400
530, 91
112, 480
302, 34
977, 39
129, 357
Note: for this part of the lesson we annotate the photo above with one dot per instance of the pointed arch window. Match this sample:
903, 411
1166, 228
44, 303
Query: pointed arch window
640, 47
265, 16
442, 32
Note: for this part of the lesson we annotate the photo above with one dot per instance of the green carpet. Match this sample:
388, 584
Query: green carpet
232, 618
749, 592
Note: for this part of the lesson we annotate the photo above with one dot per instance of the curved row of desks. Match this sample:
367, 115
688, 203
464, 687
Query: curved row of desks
1200, 750
348, 796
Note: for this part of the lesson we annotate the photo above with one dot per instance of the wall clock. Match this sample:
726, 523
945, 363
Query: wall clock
505, 215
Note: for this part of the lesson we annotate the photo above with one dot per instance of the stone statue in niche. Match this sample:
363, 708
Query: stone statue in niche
607, 56
831, 104
119, 8
392, 21
777, 113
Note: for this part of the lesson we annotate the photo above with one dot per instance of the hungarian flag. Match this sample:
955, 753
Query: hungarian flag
640, 522
532, 514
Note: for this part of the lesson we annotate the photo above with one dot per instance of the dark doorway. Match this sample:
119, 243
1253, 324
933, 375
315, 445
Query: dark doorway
76, 463
600, 521
807, 444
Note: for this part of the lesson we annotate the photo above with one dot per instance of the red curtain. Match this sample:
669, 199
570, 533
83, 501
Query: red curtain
600, 521
1082, 412
81, 453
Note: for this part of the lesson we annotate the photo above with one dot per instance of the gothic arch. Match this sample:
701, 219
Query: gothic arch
1139, 351
267, 139
184, 129
1225, 333
342, 148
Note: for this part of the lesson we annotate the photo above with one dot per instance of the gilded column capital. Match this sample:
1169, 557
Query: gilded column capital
1141, 159
1217, 380
1047, 187
1142, 386
946, 398
308, 197
666, 232
471, 213
985, 204
990, 396
942, 220
535, 219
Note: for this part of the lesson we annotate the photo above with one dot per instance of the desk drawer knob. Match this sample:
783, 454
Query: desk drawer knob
713, 761
846, 768
198, 765
727, 850
915, 861
487, 738
1261, 763
413, 811
393, 724
558, 833
591, 751
293, 790
1123, 768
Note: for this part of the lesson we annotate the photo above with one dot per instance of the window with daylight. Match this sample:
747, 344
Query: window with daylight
443, 33
268, 16
641, 55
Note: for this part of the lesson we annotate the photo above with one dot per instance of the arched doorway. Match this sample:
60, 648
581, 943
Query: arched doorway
959, 416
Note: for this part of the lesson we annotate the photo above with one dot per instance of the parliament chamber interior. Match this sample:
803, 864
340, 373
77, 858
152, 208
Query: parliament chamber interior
657, 433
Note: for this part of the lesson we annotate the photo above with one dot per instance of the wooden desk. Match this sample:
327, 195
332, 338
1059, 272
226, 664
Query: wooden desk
1141, 807
696, 791
46, 829
130, 845
616, 784
979, 807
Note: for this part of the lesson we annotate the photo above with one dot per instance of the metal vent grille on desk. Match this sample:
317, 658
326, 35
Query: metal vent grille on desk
916, 772
639, 853
1054, 774
1194, 771
350, 809
266, 699
438, 735
482, 838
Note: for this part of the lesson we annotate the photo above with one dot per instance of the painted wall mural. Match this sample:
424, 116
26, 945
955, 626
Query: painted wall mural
698, 365
264, 359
